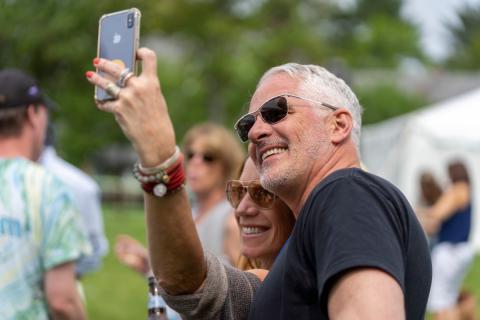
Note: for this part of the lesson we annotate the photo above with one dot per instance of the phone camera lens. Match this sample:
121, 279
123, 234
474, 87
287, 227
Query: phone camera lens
130, 20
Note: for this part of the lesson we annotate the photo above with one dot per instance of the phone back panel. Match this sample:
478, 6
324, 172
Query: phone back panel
118, 41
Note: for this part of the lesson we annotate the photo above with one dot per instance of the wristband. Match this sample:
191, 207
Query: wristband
163, 166
161, 182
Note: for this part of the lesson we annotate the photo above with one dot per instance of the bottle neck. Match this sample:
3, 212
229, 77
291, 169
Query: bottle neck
157, 308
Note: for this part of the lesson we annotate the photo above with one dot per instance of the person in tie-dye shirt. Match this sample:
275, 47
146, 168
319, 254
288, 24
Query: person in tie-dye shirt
41, 235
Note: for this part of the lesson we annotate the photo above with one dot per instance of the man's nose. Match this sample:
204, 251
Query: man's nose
259, 130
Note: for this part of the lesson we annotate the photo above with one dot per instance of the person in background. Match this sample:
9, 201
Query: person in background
430, 192
41, 234
213, 156
86, 197
449, 219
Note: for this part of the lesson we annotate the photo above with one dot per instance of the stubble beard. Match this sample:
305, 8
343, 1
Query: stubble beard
281, 174
294, 170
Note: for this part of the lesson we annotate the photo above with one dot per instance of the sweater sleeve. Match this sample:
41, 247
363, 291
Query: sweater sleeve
226, 294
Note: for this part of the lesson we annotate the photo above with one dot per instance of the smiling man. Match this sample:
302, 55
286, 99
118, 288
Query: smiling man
357, 250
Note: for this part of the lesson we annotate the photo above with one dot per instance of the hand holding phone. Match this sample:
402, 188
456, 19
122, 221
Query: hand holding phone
118, 37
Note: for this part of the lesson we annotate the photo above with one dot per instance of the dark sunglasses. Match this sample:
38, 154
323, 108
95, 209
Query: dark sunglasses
272, 111
237, 189
206, 157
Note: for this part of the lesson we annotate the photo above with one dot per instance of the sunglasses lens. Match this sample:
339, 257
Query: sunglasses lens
207, 157
235, 193
260, 196
274, 110
244, 125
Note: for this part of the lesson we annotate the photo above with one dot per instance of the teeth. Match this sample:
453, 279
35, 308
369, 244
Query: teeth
251, 230
273, 151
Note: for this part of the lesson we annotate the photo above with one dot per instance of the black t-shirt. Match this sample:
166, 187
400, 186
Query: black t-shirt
351, 219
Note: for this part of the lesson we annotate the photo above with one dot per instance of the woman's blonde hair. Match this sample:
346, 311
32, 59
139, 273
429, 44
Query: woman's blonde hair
221, 143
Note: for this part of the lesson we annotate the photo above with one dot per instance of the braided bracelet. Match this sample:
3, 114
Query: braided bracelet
163, 166
160, 182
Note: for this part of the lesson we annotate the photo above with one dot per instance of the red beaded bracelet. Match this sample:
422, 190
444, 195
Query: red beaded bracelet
162, 182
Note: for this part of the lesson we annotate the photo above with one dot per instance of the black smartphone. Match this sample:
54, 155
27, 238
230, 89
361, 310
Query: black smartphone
118, 36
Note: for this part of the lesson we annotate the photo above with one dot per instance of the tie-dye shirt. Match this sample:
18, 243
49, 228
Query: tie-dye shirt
39, 229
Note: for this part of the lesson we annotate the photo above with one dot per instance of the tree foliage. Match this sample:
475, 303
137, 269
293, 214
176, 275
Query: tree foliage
466, 40
211, 52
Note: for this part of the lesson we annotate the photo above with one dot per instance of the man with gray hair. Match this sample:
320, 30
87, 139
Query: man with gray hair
357, 250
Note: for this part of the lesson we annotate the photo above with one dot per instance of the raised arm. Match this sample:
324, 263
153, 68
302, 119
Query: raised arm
176, 254
453, 199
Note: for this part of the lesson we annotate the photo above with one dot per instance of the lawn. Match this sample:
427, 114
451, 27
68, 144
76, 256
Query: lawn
115, 292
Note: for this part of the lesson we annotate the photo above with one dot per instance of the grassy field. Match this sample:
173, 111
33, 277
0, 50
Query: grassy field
115, 292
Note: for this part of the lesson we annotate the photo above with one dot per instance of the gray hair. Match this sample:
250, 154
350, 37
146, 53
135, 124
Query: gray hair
319, 84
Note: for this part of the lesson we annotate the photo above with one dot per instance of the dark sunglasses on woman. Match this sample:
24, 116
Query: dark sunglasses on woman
237, 189
206, 157
272, 111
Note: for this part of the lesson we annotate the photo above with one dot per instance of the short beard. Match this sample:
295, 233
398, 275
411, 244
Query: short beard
315, 150
275, 179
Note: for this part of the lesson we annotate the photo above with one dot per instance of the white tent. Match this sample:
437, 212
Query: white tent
400, 148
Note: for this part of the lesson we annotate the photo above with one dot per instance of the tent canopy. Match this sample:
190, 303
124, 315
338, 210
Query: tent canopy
401, 148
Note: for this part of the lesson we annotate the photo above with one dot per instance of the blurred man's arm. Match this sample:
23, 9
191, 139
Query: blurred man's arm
453, 199
366, 294
62, 294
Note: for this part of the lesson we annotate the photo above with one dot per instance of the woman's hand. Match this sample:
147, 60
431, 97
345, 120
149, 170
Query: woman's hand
140, 108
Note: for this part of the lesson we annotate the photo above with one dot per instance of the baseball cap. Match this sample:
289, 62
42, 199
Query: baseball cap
18, 89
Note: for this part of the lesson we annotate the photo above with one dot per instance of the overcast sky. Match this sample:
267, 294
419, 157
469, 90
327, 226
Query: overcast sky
429, 15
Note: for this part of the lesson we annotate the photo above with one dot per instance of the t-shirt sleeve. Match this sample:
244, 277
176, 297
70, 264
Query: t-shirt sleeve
355, 225
64, 234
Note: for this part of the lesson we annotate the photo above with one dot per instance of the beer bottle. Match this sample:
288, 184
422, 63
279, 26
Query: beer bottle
157, 309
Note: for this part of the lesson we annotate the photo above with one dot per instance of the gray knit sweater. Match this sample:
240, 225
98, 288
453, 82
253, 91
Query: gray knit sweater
226, 294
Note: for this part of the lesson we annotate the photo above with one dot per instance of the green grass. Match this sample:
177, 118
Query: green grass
115, 292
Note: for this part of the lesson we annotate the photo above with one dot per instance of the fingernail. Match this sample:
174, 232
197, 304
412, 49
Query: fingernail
89, 74
96, 61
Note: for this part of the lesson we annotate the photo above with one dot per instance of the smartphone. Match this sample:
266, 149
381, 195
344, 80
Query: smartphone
118, 36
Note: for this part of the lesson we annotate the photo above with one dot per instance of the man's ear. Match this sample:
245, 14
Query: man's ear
342, 125
30, 113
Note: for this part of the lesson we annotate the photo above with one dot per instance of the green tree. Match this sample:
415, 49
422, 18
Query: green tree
466, 40
211, 52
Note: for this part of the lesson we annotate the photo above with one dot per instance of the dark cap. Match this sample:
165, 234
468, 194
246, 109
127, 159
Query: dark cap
18, 89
